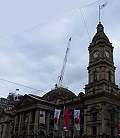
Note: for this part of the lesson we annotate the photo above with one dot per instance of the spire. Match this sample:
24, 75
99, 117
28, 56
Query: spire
100, 28
100, 36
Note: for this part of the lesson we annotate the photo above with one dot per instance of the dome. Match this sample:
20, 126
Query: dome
58, 93
100, 36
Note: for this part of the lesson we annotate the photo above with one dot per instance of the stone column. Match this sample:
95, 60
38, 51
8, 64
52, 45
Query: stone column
36, 120
47, 122
15, 121
106, 119
29, 122
20, 122
85, 121
103, 120
4, 130
8, 131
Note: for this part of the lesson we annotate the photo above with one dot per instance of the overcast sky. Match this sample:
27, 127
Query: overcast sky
34, 36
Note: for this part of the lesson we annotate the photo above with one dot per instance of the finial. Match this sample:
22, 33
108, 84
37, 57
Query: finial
100, 27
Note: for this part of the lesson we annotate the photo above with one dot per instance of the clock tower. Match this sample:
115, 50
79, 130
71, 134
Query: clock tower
101, 69
102, 97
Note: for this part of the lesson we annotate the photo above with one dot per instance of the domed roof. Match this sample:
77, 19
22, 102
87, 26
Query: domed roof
58, 93
100, 35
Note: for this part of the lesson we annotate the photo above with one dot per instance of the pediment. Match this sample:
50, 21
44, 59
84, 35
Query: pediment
27, 101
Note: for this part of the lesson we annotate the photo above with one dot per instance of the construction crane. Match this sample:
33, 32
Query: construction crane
60, 78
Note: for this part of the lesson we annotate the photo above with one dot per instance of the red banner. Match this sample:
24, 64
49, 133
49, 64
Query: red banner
118, 128
66, 118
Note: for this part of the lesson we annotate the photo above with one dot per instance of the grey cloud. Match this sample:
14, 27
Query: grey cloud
34, 57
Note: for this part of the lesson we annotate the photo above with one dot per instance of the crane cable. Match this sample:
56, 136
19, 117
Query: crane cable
85, 23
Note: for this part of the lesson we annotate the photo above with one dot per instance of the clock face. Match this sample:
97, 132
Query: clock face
107, 54
95, 55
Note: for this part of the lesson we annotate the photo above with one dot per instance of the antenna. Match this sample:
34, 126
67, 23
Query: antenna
60, 78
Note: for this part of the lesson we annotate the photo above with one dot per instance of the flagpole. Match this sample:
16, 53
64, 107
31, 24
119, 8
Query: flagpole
99, 14
101, 7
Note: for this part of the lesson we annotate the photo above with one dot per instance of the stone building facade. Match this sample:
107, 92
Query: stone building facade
102, 107
99, 105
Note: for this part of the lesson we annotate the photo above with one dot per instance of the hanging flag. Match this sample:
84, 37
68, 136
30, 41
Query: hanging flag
77, 119
118, 128
42, 117
103, 5
56, 118
66, 118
